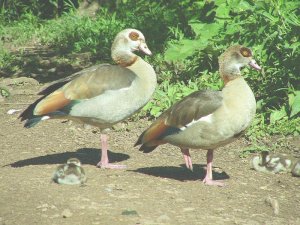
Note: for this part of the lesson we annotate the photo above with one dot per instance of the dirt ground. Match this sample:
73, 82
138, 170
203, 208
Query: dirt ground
154, 189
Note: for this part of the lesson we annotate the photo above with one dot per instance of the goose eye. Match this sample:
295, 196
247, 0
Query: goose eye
246, 52
134, 36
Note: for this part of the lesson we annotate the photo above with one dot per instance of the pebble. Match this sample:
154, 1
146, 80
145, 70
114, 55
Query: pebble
67, 213
13, 111
188, 209
163, 218
52, 70
54, 216
273, 203
45, 205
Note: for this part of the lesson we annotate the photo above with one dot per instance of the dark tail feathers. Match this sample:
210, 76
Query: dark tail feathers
32, 122
146, 149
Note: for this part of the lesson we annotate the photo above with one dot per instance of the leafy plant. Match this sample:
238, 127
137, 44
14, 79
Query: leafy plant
255, 148
4, 92
186, 38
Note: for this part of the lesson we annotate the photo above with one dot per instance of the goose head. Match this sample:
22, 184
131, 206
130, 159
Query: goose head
74, 161
233, 59
125, 44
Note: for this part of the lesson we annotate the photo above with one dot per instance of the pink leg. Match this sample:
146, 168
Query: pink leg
208, 179
187, 158
104, 162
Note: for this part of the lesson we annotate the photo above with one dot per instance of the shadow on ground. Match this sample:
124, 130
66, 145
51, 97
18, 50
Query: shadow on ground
180, 173
85, 155
45, 64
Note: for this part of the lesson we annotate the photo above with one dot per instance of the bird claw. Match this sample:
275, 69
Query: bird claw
211, 182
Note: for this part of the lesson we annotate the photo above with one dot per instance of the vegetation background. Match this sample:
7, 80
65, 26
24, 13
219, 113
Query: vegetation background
186, 38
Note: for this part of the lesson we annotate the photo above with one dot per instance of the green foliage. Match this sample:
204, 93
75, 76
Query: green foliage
294, 103
4, 92
186, 38
11, 10
19, 31
255, 148
74, 33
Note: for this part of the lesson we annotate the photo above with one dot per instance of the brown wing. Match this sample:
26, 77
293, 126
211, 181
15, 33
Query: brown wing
193, 107
190, 108
85, 84
96, 80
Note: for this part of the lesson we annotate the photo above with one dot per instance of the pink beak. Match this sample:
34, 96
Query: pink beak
144, 48
254, 65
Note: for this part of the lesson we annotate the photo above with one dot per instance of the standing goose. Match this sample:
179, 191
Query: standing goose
208, 119
101, 95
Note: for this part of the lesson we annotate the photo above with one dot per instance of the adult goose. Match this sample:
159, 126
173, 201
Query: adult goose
101, 95
208, 119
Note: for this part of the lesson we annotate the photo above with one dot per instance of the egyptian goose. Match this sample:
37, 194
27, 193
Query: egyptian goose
208, 119
276, 163
101, 95
70, 173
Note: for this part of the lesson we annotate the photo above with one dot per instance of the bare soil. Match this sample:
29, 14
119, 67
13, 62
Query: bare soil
156, 188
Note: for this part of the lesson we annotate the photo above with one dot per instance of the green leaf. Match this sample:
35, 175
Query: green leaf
222, 11
4, 92
277, 115
183, 49
295, 106
205, 30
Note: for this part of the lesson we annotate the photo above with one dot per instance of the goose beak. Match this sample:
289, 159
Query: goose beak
144, 48
254, 65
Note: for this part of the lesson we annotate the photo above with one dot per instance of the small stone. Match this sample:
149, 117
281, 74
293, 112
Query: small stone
55, 216
53, 207
52, 70
13, 111
163, 219
274, 204
188, 209
108, 189
67, 213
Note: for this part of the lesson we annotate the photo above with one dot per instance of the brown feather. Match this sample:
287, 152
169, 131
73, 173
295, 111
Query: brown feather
51, 103
96, 80
155, 131
193, 107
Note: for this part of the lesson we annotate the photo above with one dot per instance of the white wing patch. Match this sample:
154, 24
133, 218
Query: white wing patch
207, 119
45, 117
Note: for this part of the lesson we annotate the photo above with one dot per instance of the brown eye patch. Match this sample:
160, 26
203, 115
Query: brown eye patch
246, 52
134, 36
